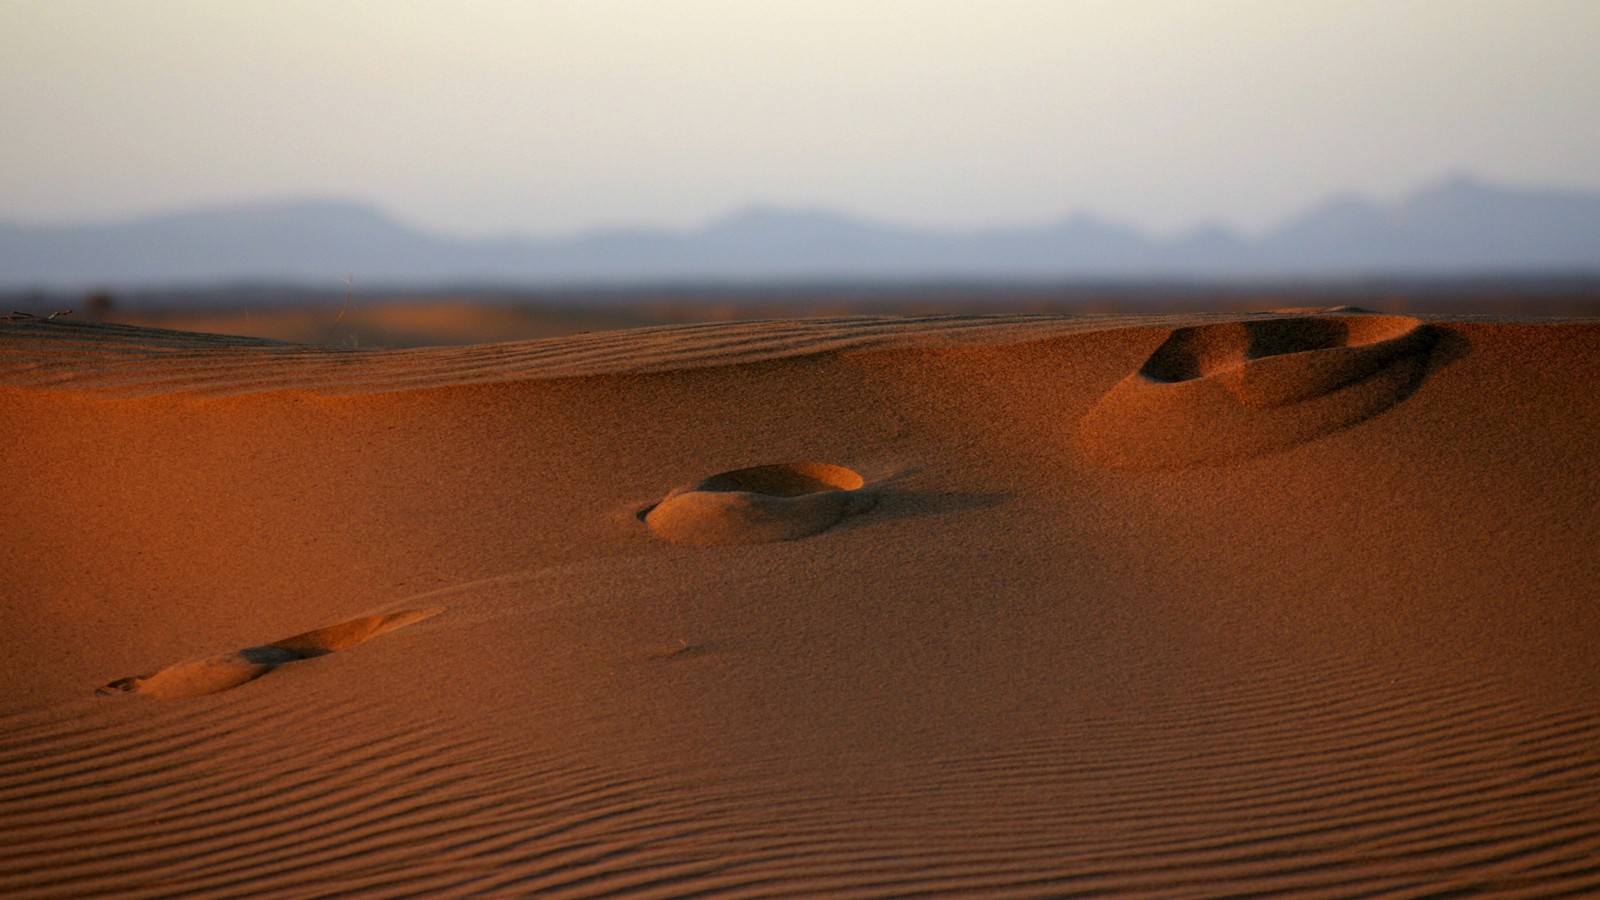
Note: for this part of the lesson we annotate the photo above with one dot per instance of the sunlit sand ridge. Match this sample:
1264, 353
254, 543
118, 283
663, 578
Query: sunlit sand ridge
1296, 602
219, 673
762, 503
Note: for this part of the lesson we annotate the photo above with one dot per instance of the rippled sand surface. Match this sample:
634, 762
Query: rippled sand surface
1299, 602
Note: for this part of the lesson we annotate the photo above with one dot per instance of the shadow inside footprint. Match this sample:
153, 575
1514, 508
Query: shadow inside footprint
760, 504
229, 670
1214, 394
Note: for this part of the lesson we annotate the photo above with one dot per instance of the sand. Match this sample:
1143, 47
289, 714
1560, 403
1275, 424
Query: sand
1303, 602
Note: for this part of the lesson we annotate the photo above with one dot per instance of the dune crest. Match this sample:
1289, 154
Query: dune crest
229, 670
1218, 393
760, 504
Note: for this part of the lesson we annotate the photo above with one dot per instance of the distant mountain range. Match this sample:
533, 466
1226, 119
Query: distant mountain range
1460, 227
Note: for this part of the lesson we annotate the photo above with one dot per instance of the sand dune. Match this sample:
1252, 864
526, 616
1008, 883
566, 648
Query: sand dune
779, 502
1300, 602
1222, 392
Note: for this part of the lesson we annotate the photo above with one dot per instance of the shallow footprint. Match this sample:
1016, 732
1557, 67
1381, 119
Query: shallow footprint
760, 504
1215, 394
219, 673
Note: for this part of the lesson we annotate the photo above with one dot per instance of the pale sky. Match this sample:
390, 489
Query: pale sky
541, 118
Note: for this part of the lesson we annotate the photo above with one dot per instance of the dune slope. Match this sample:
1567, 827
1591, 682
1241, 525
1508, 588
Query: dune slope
1028, 606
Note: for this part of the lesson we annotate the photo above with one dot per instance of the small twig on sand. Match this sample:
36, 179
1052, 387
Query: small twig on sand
349, 288
18, 315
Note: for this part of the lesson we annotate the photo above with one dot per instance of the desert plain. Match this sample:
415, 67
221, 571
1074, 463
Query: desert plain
1300, 602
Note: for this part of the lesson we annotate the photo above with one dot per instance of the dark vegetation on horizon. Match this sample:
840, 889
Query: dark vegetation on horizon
1549, 295
388, 319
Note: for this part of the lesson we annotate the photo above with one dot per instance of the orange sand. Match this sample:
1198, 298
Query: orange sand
1015, 606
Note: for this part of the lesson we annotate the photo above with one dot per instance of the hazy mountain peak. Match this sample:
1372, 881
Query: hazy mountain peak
1088, 221
1210, 232
1459, 225
321, 212
768, 217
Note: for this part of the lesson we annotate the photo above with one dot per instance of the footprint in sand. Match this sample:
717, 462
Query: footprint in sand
760, 504
1216, 394
219, 673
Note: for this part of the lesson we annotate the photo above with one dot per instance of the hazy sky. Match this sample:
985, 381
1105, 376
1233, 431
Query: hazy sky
551, 117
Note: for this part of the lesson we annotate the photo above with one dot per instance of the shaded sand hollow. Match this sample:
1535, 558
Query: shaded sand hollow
1298, 603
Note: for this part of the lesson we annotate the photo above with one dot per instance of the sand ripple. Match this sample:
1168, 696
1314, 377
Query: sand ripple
126, 361
1325, 783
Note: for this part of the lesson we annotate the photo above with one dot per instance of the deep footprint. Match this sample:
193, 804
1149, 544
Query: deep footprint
219, 673
1217, 394
760, 504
